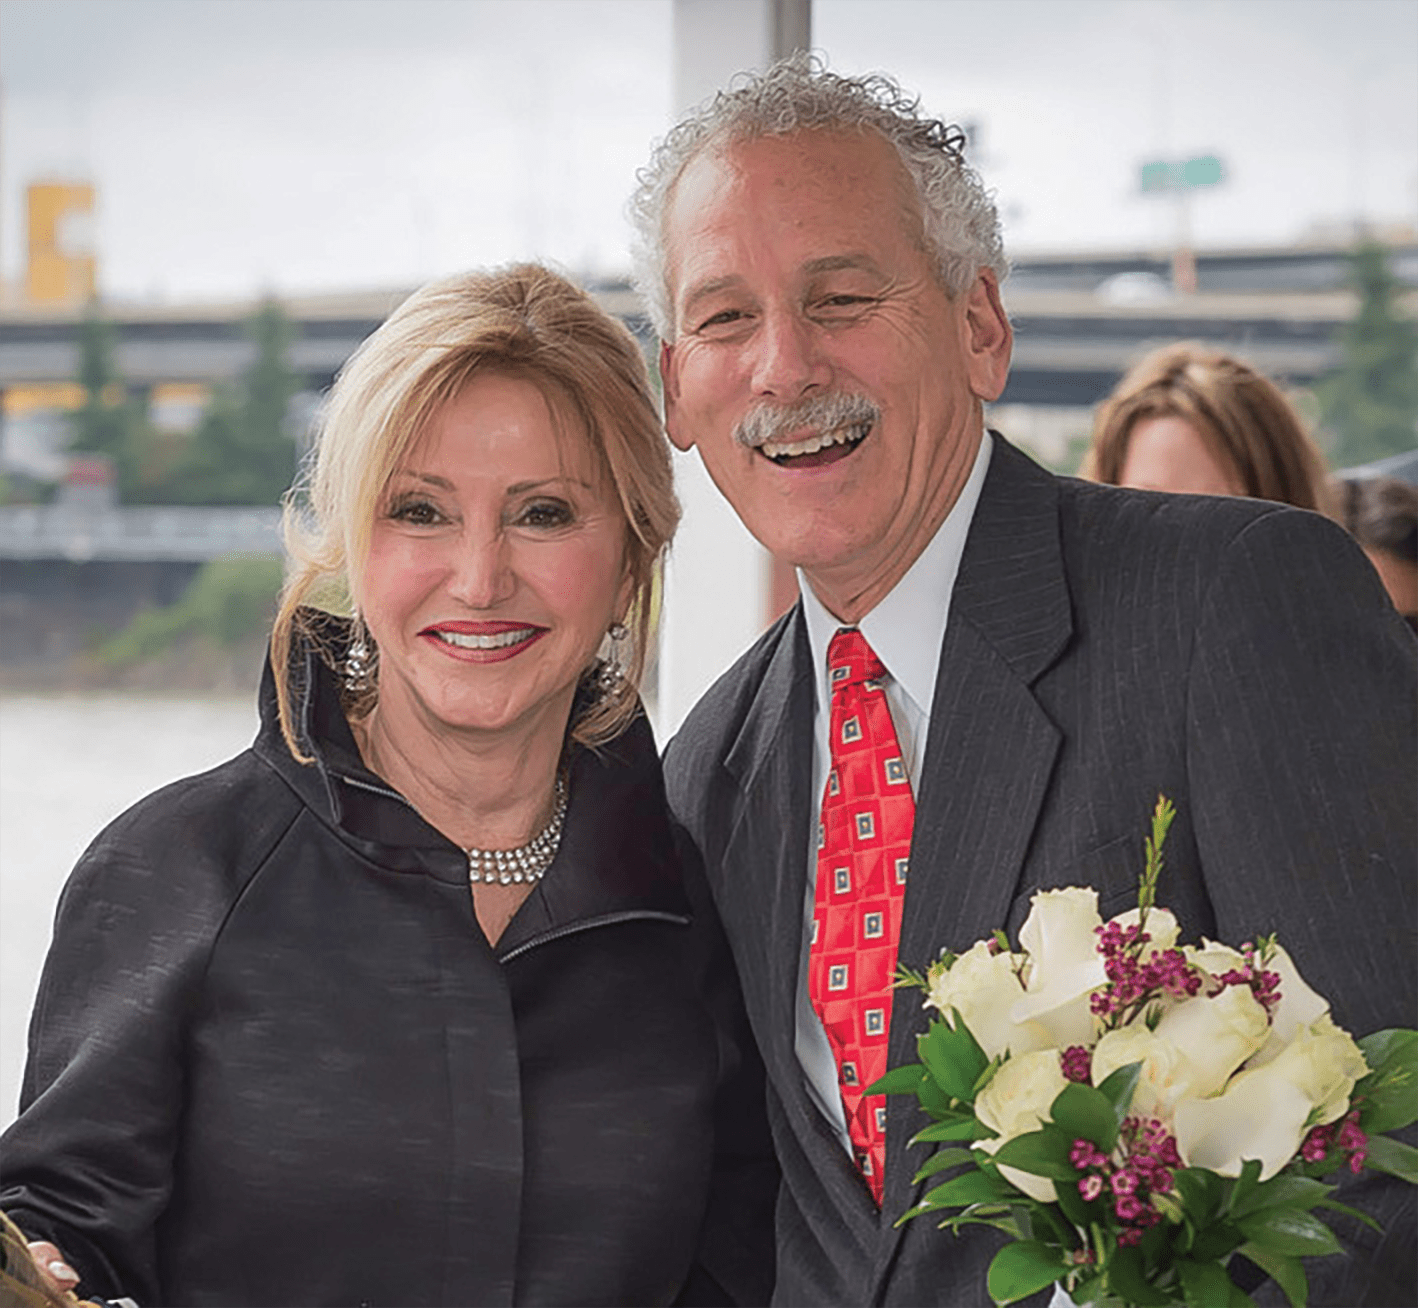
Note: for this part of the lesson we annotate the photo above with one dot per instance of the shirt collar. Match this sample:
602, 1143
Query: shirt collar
907, 628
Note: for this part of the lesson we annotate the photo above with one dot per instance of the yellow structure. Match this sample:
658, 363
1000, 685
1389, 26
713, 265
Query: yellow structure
61, 267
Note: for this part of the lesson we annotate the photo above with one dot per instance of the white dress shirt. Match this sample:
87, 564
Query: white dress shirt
905, 631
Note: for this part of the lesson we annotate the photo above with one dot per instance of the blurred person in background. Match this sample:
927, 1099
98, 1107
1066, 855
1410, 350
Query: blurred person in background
1381, 513
1190, 418
410, 1003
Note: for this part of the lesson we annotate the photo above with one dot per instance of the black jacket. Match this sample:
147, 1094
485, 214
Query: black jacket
275, 1061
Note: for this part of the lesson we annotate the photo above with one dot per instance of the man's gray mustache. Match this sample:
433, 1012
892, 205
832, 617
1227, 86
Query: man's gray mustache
818, 413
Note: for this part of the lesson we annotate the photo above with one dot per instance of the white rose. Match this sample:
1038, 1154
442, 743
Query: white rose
1059, 932
1017, 1101
983, 987
1191, 1054
1065, 967
1264, 1111
1162, 928
1299, 1008
1214, 958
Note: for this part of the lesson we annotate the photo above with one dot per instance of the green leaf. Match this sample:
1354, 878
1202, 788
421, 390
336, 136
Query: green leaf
1393, 1157
940, 1160
1215, 1242
1395, 1046
1390, 1092
1088, 1114
1021, 1268
1338, 1207
1281, 1191
1206, 1285
1127, 1278
1285, 1271
952, 1128
1200, 1191
967, 1188
1288, 1231
1119, 1087
985, 1217
1042, 1153
953, 1057
899, 1081
935, 1101
1244, 1184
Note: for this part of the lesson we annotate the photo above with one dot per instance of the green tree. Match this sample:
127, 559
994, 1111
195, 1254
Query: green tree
114, 423
110, 422
1369, 405
242, 452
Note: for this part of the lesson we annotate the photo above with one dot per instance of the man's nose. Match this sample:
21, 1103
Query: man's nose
481, 572
790, 362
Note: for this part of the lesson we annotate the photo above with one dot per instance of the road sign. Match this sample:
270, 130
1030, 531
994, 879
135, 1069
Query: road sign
1161, 175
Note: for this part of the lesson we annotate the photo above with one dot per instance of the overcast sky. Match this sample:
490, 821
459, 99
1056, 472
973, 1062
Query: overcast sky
249, 145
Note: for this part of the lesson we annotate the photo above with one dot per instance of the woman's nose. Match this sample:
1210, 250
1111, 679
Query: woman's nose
482, 576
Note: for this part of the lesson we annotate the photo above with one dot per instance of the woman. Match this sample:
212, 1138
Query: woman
407, 1004
1190, 418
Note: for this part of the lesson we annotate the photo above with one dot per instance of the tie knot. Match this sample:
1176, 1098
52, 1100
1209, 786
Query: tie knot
850, 660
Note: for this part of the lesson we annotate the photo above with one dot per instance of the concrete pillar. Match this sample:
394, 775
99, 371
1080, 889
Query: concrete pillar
720, 590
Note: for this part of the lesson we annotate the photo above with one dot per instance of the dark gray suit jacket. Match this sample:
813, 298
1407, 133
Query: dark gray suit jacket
1103, 646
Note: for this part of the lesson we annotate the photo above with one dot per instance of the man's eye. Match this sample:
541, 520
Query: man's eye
415, 511
838, 303
545, 513
724, 318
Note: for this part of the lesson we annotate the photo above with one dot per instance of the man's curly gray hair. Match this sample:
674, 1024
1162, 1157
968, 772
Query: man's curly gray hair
800, 94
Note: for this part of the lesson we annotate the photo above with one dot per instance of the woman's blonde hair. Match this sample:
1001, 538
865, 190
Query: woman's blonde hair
524, 321
1240, 414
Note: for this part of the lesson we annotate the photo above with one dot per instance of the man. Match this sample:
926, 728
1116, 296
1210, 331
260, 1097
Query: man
824, 272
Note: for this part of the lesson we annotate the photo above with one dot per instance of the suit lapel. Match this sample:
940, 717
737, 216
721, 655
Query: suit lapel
771, 763
989, 755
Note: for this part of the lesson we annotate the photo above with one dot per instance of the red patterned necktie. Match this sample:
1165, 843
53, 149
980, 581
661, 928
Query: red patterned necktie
863, 845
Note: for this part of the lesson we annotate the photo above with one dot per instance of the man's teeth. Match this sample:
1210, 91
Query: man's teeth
499, 641
811, 444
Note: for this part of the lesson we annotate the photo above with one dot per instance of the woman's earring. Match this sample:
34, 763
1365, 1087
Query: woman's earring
612, 673
360, 661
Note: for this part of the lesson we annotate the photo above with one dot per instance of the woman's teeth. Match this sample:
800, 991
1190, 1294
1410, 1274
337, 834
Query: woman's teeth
499, 641
811, 444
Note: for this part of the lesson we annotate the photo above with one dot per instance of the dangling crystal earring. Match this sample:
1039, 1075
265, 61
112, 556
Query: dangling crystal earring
612, 672
360, 660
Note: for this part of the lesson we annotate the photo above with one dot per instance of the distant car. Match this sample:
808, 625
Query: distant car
1134, 288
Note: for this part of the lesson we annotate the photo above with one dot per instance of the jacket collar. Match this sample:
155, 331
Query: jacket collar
617, 852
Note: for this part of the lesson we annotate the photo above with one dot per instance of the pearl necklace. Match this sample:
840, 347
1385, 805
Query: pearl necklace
528, 862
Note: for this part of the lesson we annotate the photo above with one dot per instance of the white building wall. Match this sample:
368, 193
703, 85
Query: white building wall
717, 579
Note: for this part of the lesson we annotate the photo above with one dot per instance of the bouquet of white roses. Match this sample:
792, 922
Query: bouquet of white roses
1134, 1111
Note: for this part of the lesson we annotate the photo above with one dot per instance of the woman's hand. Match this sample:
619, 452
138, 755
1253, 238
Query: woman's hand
52, 1267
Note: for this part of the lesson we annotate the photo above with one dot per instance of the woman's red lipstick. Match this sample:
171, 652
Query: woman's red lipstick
483, 642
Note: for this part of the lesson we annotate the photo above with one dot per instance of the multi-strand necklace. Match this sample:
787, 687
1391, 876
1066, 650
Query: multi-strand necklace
529, 862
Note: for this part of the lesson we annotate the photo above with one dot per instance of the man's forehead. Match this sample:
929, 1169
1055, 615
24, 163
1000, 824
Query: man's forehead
726, 189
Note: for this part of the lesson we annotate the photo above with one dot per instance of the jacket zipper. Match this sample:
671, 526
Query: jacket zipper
590, 924
373, 790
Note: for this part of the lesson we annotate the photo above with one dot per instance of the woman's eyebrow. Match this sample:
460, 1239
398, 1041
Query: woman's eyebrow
428, 478
522, 487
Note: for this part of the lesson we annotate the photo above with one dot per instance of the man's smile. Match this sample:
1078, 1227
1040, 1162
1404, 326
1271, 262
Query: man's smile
817, 449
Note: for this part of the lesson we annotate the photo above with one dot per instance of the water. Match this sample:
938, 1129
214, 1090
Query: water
68, 765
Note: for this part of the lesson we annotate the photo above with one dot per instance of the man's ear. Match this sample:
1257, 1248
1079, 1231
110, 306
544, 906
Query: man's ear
669, 379
989, 339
